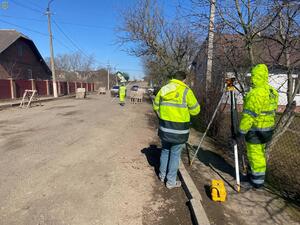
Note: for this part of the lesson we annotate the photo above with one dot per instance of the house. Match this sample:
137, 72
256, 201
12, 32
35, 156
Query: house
20, 58
230, 58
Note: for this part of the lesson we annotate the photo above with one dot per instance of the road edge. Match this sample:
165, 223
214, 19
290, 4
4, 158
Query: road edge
194, 196
17, 103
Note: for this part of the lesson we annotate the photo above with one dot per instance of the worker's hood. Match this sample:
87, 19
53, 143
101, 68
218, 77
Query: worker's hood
259, 75
170, 91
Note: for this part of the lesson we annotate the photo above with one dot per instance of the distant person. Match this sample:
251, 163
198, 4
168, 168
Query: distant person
257, 123
174, 103
122, 94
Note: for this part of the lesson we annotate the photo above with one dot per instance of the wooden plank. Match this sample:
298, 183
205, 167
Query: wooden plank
191, 187
198, 212
193, 194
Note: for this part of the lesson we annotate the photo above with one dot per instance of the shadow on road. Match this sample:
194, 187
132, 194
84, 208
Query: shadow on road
153, 155
218, 164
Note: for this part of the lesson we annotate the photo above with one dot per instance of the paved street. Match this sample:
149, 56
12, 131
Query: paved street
83, 162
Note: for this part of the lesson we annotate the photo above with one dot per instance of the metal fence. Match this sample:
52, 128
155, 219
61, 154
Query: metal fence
284, 162
283, 156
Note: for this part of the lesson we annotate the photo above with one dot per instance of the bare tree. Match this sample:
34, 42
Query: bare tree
168, 44
74, 66
284, 34
245, 19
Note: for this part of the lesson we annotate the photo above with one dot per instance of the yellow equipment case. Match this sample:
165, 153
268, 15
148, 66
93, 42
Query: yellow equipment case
218, 191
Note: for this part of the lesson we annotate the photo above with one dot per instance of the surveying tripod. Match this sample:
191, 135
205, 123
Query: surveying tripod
228, 88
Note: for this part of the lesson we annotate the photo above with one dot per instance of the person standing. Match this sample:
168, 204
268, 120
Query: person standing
258, 120
122, 94
174, 103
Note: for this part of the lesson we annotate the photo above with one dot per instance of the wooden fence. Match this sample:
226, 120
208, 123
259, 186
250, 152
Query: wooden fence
11, 89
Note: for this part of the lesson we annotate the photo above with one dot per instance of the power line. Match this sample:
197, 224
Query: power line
34, 31
25, 28
26, 7
87, 26
61, 43
36, 5
61, 22
23, 18
72, 42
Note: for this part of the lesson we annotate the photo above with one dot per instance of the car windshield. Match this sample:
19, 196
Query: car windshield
135, 87
115, 87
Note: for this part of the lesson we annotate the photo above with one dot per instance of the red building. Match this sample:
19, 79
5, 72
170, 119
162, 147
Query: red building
20, 59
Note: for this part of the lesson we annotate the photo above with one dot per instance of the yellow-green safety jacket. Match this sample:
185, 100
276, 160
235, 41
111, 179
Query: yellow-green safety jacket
175, 102
122, 91
260, 105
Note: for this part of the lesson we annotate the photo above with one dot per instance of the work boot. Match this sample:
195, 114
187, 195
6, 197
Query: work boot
177, 184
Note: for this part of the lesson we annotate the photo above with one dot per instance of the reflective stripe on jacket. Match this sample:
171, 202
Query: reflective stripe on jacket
175, 102
260, 105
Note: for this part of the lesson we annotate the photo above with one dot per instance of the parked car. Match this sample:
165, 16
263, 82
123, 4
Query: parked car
153, 90
134, 88
150, 90
114, 91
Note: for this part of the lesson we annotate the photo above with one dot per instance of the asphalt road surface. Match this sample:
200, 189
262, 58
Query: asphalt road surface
84, 162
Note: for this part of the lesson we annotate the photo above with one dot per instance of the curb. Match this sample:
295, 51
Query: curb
195, 199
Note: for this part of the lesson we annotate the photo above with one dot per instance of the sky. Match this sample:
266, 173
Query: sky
88, 25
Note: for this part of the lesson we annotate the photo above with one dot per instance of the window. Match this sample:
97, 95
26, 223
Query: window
20, 50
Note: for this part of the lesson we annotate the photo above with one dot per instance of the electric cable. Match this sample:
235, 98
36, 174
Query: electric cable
25, 28
23, 18
35, 31
73, 42
26, 7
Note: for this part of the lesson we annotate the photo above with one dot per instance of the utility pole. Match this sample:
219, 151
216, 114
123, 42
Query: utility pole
210, 44
108, 67
48, 13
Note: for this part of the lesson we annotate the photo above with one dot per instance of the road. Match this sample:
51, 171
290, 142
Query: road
83, 162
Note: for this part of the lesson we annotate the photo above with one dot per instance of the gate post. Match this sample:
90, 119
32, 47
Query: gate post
68, 88
47, 87
33, 86
13, 91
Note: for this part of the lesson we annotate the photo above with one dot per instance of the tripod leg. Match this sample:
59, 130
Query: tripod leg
208, 126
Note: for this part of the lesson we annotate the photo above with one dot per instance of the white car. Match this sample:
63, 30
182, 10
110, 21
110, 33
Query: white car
114, 91
150, 90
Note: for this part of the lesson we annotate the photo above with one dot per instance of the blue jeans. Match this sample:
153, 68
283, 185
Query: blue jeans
169, 161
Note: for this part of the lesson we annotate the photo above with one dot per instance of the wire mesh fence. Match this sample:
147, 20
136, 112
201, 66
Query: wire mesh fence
283, 156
